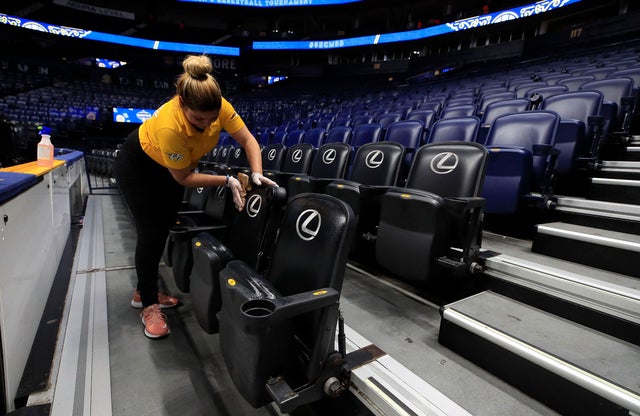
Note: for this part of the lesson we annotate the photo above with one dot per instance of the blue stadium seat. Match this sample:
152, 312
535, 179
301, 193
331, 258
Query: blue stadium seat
459, 129
338, 134
497, 109
462, 110
520, 155
315, 137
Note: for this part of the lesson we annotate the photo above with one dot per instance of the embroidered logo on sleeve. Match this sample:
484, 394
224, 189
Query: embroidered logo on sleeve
233, 116
175, 157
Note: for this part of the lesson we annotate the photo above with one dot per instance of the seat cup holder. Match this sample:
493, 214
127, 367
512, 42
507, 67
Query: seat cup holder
180, 233
258, 308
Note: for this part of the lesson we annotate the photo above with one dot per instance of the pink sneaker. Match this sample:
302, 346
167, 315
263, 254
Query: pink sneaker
155, 322
165, 301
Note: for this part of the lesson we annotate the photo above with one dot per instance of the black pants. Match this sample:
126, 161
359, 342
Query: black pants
153, 197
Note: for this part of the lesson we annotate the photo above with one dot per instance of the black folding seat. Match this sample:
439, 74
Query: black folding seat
463, 110
376, 167
297, 161
497, 109
273, 157
278, 329
211, 211
580, 126
329, 162
249, 237
521, 156
439, 208
458, 129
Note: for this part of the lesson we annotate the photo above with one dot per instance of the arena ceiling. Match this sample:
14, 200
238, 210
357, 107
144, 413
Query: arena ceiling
235, 26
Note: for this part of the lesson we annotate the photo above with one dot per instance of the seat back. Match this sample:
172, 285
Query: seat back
513, 170
377, 163
575, 82
330, 161
547, 91
462, 110
448, 169
298, 158
338, 134
273, 156
613, 90
573, 139
366, 133
387, 118
315, 136
294, 137
463, 129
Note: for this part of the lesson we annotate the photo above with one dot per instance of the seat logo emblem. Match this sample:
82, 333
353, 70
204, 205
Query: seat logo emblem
253, 205
237, 154
199, 189
308, 224
272, 154
296, 156
329, 156
444, 163
224, 152
374, 159
221, 192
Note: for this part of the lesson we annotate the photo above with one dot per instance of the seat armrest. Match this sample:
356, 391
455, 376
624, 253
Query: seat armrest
465, 203
186, 233
260, 312
544, 150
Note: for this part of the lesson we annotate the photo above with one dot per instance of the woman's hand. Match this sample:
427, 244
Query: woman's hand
259, 179
237, 192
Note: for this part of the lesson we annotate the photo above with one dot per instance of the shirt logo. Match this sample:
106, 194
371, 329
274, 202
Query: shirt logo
308, 224
175, 157
329, 156
444, 163
374, 159
253, 205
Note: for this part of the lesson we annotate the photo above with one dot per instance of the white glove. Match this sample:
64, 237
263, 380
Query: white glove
236, 191
259, 179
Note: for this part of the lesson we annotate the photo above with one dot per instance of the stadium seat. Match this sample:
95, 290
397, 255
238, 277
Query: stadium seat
574, 83
329, 162
410, 134
497, 109
338, 134
463, 129
376, 167
613, 90
365, 133
315, 136
294, 137
278, 328
575, 133
249, 237
464, 110
520, 158
439, 208
297, 162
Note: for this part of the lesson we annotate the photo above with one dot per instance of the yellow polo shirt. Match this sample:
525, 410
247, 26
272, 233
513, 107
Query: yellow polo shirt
169, 139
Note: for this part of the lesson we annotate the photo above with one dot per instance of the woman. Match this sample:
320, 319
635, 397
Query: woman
155, 164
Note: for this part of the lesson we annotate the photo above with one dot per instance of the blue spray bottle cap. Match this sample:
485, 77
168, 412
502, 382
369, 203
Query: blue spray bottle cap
45, 130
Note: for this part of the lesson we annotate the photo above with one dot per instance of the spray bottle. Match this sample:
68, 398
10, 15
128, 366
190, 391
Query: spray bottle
45, 148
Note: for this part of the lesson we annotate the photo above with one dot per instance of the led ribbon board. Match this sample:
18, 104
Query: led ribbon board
272, 3
117, 39
457, 26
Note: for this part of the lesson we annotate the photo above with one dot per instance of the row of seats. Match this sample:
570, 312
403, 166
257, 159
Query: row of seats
268, 278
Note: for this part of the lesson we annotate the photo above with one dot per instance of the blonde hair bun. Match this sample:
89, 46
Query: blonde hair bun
197, 67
